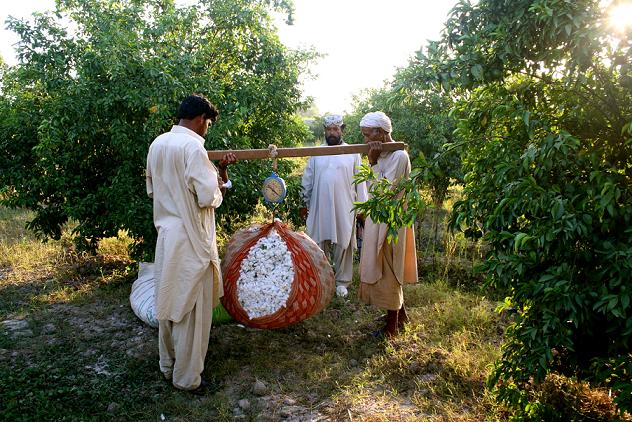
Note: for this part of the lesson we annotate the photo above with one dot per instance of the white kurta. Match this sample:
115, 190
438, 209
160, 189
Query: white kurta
185, 187
393, 166
329, 194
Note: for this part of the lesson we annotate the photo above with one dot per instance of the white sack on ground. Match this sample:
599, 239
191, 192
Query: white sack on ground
143, 296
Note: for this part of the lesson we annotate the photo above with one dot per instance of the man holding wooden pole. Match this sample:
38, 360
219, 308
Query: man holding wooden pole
328, 194
186, 188
385, 266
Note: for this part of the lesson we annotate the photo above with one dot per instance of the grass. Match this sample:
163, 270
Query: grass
72, 349
83, 354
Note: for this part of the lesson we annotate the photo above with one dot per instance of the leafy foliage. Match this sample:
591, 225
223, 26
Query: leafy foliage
420, 119
83, 105
397, 205
546, 119
544, 110
550, 209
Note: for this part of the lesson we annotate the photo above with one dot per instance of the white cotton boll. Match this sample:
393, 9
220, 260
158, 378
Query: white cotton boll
265, 277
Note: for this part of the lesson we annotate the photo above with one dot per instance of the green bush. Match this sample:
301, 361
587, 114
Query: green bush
544, 110
548, 152
420, 119
82, 106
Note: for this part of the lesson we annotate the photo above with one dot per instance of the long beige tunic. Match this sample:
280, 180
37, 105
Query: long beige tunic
185, 188
329, 194
381, 276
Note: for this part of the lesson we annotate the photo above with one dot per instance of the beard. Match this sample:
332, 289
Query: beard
333, 140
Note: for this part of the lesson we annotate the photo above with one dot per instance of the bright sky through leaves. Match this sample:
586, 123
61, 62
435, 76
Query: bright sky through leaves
363, 41
621, 16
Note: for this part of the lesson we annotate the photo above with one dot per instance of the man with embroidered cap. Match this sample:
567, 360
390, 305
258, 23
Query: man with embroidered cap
328, 193
386, 266
186, 188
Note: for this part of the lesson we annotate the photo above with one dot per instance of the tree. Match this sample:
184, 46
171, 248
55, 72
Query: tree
545, 128
83, 104
421, 119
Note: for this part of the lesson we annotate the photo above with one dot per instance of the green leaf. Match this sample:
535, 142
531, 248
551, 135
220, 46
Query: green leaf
525, 118
477, 72
520, 239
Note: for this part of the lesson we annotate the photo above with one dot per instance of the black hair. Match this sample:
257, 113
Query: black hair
195, 105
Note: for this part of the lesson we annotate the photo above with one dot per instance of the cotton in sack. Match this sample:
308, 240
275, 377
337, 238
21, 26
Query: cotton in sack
274, 277
143, 297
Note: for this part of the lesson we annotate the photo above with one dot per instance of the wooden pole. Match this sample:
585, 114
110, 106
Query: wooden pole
250, 154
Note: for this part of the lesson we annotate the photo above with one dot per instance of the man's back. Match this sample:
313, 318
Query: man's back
180, 177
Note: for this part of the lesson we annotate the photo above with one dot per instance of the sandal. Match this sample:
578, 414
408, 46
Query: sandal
204, 388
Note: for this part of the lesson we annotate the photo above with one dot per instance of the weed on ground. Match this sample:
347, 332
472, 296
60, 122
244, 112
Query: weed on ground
72, 349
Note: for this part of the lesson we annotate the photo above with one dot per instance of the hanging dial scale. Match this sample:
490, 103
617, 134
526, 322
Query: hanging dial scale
273, 188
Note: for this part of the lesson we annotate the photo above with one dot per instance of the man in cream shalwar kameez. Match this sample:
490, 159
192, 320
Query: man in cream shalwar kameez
186, 188
385, 266
328, 194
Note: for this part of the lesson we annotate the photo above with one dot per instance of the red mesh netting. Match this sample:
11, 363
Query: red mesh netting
312, 288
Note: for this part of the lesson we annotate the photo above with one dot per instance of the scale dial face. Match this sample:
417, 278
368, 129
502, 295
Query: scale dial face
274, 189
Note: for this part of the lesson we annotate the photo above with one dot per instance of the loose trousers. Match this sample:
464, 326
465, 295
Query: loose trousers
342, 261
386, 293
183, 345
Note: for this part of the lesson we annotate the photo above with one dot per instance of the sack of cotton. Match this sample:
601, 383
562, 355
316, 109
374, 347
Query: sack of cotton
143, 298
274, 277
143, 295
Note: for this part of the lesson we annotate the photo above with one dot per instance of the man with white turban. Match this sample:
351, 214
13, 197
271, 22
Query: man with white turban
328, 194
186, 188
385, 266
